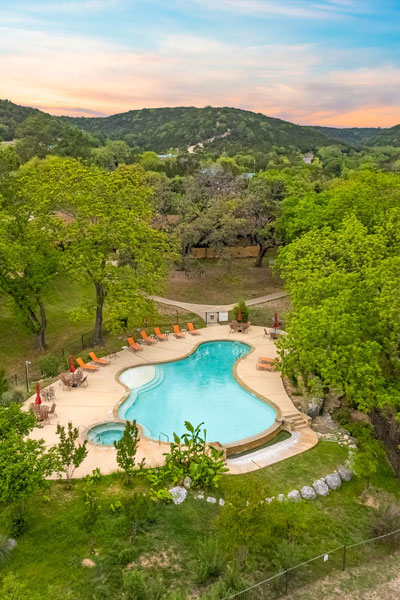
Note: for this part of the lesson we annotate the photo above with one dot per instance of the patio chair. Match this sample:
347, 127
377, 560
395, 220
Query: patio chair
192, 330
52, 410
147, 339
80, 379
66, 381
160, 336
36, 411
134, 346
99, 361
246, 326
177, 332
233, 325
85, 366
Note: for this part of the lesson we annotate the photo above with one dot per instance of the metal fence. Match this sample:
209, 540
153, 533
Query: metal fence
292, 579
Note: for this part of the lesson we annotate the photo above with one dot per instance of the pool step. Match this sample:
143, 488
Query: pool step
296, 420
155, 382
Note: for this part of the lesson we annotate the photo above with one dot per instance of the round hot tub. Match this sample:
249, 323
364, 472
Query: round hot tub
106, 434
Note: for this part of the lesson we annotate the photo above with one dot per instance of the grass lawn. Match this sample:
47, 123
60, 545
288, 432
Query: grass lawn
163, 543
18, 344
218, 285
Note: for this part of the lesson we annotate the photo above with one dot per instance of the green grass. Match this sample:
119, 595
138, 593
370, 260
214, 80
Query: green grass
221, 286
49, 554
63, 334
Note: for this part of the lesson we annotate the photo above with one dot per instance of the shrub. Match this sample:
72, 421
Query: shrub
50, 365
5, 549
139, 585
15, 395
3, 382
387, 520
126, 448
210, 560
243, 310
191, 456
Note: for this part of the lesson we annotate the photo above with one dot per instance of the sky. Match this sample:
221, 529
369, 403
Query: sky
324, 62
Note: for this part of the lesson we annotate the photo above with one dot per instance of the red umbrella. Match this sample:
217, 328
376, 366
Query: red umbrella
276, 322
239, 314
71, 364
38, 398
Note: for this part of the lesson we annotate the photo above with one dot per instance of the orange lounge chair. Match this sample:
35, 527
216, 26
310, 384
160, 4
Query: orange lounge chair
99, 361
264, 359
192, 330
134, 346
177, 332
85, 366
161, 336
263, 366
147, 339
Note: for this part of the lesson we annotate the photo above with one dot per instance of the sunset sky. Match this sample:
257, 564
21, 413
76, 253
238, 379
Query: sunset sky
328, 62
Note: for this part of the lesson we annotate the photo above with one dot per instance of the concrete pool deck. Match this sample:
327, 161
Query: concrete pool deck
95, 404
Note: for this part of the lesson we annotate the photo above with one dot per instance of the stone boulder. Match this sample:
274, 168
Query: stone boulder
294, 496
212, 500
333, 481
178, 494
313, 410
345, 474
320, 487
87, 562
187, 482
308, 493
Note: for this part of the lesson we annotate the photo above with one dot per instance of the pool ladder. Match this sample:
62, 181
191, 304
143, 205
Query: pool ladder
165, 435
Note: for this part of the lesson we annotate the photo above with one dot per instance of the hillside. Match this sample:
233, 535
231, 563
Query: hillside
11, 116
162, 129
386, 137
350, 135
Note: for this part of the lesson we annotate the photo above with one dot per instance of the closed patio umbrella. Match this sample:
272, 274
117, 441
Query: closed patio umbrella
276, 322
239, 314
38, 398
71, 364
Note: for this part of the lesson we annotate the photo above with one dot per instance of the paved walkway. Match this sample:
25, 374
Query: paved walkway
85, 407
202, 309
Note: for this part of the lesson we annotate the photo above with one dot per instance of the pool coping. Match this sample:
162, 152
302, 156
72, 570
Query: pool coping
231, 448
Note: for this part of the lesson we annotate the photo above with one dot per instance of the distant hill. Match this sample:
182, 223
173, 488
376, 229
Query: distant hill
220, 129
11, 116
386, 137
350, 135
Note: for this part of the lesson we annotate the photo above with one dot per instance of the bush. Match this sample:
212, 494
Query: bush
5, 549
243, 310
387, 520
15, 395
210, 560
142, 586
50, 365
3, 382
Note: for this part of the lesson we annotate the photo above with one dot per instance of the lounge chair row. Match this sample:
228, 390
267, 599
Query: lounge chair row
265, 364
160, 337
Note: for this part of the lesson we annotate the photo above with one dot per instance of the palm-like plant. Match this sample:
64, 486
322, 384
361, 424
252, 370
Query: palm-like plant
5, 549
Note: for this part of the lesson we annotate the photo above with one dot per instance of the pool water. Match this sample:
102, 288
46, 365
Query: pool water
199, 388
106, 433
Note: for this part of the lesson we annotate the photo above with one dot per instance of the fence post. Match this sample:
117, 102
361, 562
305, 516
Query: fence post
344, 558
83, 343
16, 379
286, 582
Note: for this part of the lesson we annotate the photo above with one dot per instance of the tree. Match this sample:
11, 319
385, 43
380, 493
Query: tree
24, 463
28, 255
113, 153
109, 218
126, 448
70, 455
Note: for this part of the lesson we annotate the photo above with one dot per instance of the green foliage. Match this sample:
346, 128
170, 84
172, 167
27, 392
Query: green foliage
244, 312
3, 382
69, 455
191, 456
92, 507
14, 589
139, 585
126, 448
386, 520
15, 395
210, 560
50, 365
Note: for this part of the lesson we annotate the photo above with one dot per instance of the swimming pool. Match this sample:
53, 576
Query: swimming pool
198, 388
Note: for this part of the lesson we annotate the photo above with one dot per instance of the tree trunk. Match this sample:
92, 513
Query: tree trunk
98, 326
262, 250
41, 335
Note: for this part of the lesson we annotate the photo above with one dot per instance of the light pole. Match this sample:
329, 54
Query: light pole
27, 363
